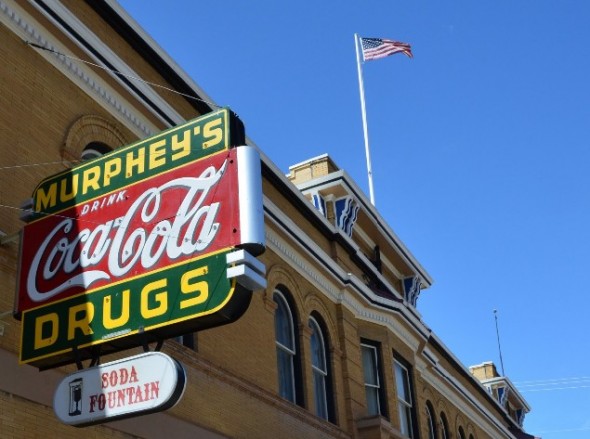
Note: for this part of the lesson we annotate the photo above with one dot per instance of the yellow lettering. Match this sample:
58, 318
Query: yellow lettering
135, 162
157, 154
160, 298
48, 321
46, 199
213, 131
79, 317
90, 179
183, 145
200, 287
108, 320
112, 168
63, 194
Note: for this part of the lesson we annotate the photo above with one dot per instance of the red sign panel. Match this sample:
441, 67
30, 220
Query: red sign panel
152, 224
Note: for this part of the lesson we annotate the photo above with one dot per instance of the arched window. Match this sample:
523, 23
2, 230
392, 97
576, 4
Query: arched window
286, 347
320, 371
431, 422
90, 137
94, 150
444, 427
461, 433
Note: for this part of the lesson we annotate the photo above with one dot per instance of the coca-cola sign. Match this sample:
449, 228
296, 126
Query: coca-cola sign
155, 223
141, 262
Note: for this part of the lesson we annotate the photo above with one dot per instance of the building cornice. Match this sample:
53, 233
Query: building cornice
149, 50
101, 54
374, 216
477, 385
448, 386
29, 30
305, 256
513, 390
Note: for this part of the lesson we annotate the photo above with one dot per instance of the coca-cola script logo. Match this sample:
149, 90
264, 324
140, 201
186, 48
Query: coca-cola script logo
164, 220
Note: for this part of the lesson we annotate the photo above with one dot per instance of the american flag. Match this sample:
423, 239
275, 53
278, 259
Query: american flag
375, 48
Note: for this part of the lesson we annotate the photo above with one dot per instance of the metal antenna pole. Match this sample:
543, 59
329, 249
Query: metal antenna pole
498, 337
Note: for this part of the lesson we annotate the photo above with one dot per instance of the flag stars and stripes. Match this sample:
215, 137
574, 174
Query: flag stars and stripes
375, 48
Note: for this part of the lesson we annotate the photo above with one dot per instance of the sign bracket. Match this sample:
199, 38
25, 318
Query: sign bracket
77, 358
144, 341
94, 360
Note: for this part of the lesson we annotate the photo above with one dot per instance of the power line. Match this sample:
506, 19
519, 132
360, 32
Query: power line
551, 380
126, 75
553, 384
548, 389
26, 165
564, 430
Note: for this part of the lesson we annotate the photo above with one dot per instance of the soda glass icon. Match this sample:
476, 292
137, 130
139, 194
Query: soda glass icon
76, 397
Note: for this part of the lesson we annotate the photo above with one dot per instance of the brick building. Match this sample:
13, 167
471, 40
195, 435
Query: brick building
332, 347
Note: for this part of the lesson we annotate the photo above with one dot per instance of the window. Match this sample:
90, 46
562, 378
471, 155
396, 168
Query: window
404, 398
444, 427
94, 150
431, 423
461, 433
286, 347
319, 369
371, 369
187, 340
92, 136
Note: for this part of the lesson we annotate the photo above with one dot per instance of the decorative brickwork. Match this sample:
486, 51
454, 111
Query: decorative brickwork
88, 129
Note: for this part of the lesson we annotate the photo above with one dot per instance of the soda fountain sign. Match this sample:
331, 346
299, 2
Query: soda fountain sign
138, 385
135, 246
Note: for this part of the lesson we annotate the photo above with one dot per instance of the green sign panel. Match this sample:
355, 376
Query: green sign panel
123, 309
170, 149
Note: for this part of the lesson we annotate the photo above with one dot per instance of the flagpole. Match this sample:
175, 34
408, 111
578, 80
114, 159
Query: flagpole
364, 114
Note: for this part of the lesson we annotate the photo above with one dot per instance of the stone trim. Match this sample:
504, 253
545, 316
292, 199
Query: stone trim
30, 31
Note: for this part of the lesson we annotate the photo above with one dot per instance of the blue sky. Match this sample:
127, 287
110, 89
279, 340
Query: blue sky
480, 151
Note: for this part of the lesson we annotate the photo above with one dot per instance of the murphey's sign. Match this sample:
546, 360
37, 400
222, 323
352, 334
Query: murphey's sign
133, 247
